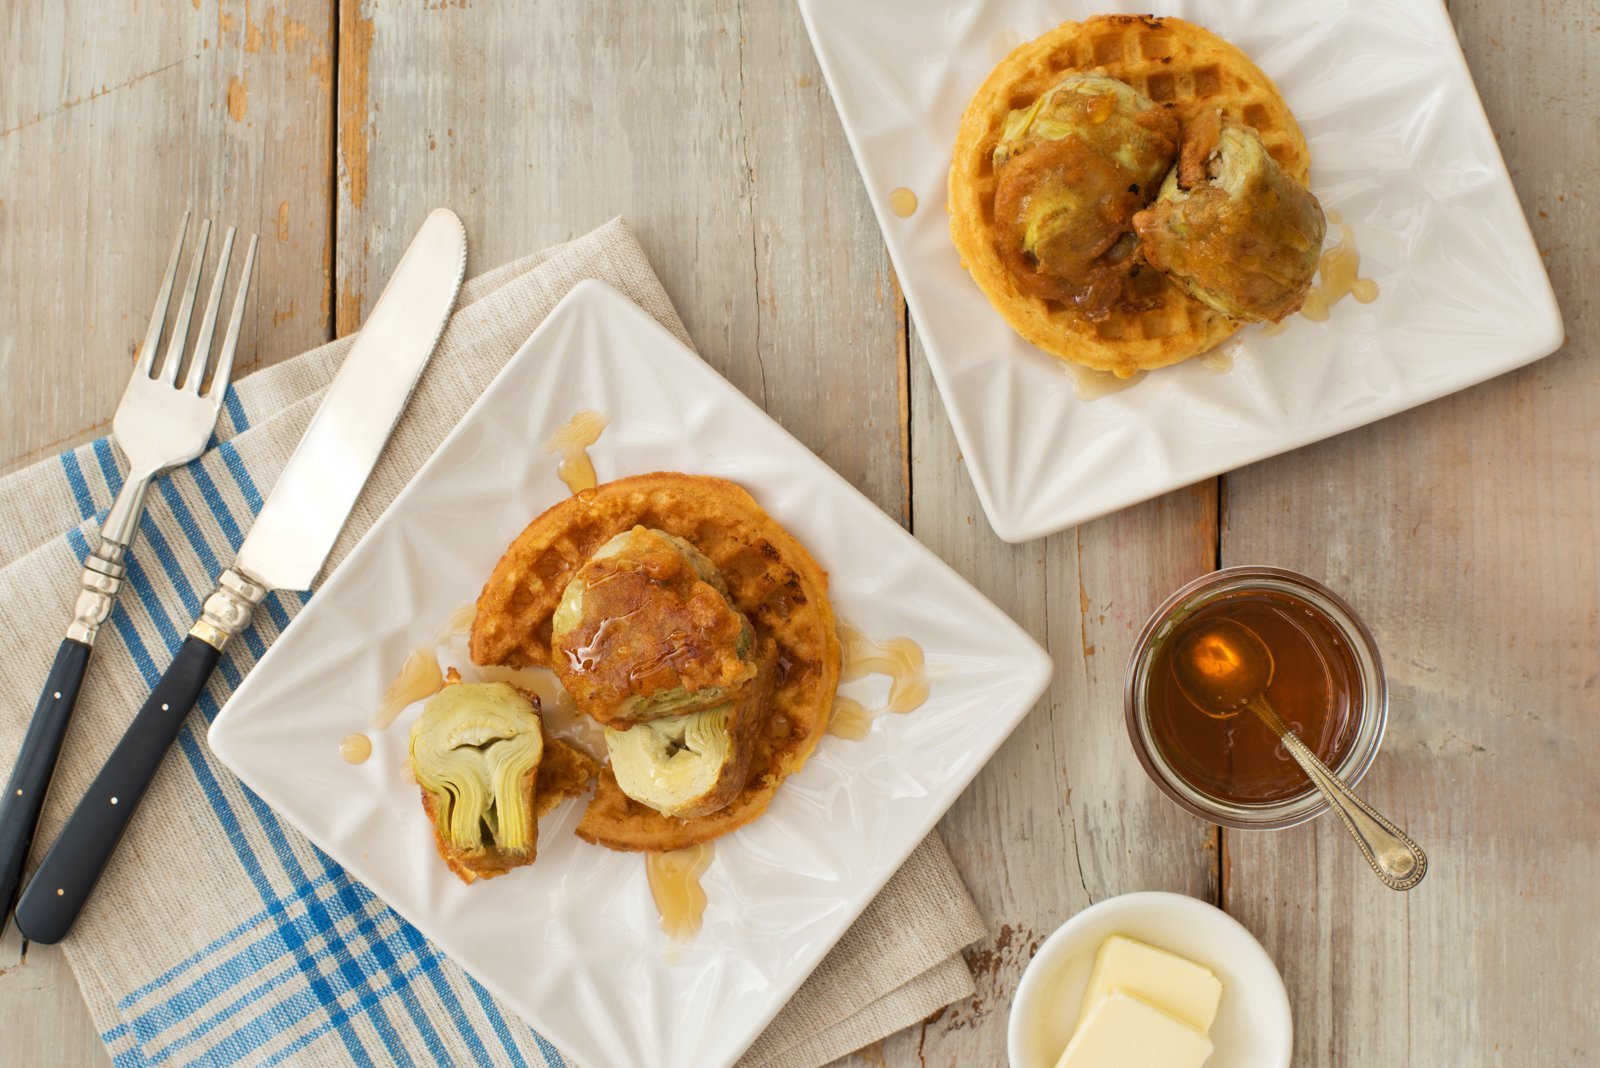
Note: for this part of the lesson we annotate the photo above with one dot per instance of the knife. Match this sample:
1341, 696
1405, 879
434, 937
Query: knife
286, 547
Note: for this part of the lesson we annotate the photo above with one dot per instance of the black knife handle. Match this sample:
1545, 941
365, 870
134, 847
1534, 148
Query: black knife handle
58, 890
30, 778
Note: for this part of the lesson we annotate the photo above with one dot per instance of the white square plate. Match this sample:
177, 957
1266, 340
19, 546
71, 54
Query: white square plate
1399, 145
572, 942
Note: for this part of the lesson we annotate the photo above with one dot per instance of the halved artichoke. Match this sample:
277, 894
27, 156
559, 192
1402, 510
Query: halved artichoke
1237, 230
1070, 171
475, 752
694, 764
645, 629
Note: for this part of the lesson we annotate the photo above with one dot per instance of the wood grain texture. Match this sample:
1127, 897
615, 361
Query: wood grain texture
1063, 816
113, 119
1464, 533
705, 125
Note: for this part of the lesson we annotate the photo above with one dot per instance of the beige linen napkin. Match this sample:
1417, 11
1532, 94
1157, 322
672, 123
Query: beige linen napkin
264, 951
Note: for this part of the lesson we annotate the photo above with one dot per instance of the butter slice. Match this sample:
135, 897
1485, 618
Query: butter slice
1122, 1031
1165, 980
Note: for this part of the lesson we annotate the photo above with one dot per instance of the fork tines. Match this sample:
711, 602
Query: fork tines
170, 361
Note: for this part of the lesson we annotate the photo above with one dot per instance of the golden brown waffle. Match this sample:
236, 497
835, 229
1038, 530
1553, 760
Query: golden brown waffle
771, 578
1176, 64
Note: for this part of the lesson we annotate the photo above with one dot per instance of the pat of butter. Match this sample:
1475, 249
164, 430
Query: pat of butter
1171, 983
1122, 1032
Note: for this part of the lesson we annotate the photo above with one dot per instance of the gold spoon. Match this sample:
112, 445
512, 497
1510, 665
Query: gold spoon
1225, 668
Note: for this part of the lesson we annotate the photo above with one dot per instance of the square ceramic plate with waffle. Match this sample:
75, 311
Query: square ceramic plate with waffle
573, 942
1068, 404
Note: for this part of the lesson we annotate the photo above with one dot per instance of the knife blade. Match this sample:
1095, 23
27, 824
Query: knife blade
285, 549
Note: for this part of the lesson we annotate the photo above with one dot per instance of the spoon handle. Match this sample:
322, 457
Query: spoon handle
1394, 857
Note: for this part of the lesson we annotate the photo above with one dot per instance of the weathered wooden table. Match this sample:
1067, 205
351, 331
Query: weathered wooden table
1465, 532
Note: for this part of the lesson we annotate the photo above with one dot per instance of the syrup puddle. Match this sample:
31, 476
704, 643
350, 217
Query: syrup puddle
355, 748
899, 658
572, 442
419, 678
675, 885
1091, 385
849, 719
903, 202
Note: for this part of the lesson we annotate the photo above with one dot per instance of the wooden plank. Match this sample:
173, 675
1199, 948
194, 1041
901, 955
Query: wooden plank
1465, 535
1063, 816
112, 122
706, 126
113, 119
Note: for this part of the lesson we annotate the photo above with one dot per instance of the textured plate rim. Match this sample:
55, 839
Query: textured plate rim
1545, 333
1035, 664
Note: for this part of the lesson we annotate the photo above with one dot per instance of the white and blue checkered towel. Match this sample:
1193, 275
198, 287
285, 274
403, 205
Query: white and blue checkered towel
220, 934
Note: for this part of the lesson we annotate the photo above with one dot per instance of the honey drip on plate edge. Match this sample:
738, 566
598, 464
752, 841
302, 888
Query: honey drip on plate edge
419, 677
903, 202
572, 442
355, 748
675, 885
899, 658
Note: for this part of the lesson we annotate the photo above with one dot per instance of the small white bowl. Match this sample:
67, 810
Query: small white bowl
1253, 1028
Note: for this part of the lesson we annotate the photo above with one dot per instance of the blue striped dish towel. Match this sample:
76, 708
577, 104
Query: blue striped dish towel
219, 934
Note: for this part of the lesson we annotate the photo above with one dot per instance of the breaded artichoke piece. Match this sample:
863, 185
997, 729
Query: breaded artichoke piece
1241, 234
1070, 171
475, 752
692, 765
645, 629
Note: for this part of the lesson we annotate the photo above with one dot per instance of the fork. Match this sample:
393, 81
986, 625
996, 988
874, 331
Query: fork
159, 424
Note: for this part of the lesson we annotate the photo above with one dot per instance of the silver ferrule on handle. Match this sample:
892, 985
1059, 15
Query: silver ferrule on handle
228, 610
104, 570
98, 586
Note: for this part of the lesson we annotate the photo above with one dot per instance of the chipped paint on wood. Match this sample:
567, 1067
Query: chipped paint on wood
238, 98
355, 46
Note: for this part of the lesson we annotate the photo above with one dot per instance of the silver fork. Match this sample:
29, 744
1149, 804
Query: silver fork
159, 424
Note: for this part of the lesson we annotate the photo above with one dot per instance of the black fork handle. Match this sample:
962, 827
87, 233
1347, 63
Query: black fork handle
36, 763
67, 875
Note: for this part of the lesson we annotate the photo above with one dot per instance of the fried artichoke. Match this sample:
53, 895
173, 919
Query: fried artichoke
645, 630
1241, 234
1070, 171
694, 764
475, 752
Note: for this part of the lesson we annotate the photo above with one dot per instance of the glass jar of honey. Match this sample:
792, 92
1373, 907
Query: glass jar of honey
1325, 680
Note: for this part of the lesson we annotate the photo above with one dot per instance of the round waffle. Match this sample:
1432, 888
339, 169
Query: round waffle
771, 578
1176, 64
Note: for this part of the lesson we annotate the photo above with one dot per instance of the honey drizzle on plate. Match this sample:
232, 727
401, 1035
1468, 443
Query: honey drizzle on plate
419, 677
899, 658
572, 442
355, 748
903, 202
1338, 276
458, 622
849, 719
675, 885
1091, 385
